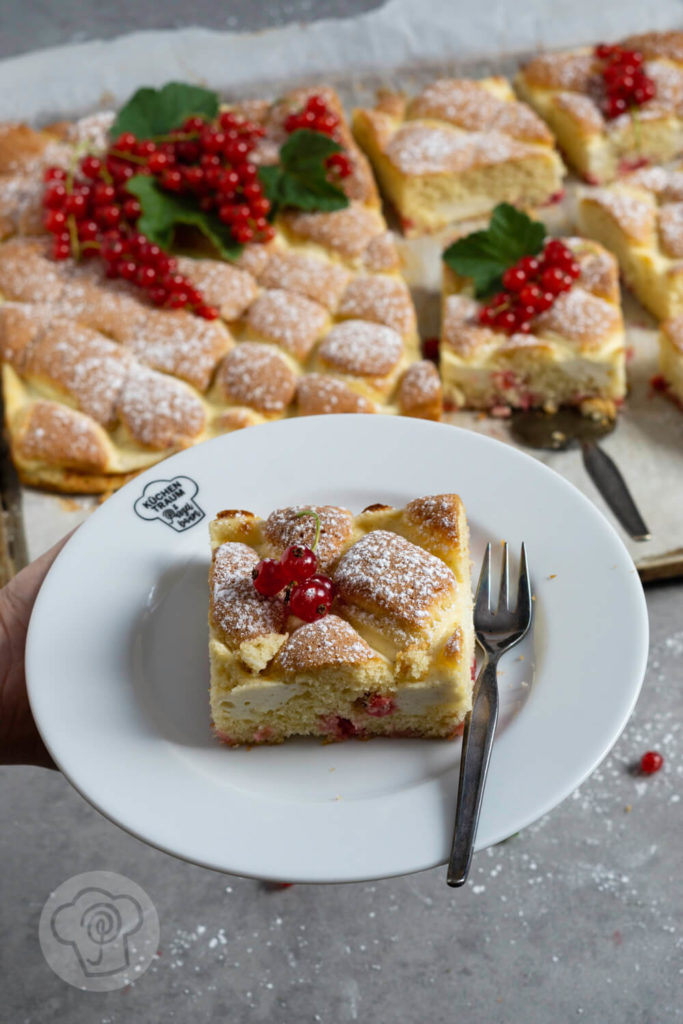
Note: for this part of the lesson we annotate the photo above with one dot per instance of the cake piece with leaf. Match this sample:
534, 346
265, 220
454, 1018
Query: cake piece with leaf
612, 107
530, 321
455, 150
327, 624
186, 267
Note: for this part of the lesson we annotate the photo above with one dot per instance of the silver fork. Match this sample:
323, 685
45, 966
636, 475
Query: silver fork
496, 632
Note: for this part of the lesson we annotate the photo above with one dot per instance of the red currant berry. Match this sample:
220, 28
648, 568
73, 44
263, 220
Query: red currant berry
616, 105
486, 316
146, 277
127, 270
75, 204
530, 295
54, 174
145, 148
158, 295
194, 124
172, 180
506, 321
88, 230
125, 142
131, 209
268, 577
309, 601
61, 251
91, 166
298, 563
651, 762
603, 51
55, 196
194, 177
514, 279
552, 280
54, 221
103, 194
207, 312
178, 300
243, 234
323, 581
158, 162
530, 266
379, 704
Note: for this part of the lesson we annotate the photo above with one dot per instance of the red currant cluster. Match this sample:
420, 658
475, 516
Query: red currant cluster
309, 593
626, 84
90, 217
317, 117
531, 287
90, 212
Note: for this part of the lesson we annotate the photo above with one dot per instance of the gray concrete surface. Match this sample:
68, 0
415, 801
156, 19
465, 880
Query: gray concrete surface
579, 917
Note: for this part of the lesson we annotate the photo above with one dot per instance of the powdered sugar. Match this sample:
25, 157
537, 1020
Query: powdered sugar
160, 412
428, 149
254, 375
330, 641
290, 320
381, 298
238, 611
361, 348
286, 526
383, 572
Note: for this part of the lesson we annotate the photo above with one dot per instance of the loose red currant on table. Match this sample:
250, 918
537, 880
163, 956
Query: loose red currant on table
651, 762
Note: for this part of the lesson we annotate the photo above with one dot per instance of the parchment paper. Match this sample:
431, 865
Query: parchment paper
403, 44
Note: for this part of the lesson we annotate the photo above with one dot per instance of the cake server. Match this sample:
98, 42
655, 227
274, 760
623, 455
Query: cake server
559, 431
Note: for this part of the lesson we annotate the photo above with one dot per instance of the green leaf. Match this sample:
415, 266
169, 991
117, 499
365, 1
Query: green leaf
162, 212
484, 256
151, 112
300, 181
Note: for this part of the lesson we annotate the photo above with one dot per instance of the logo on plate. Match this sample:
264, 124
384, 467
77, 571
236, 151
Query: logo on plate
99, 931
171, 501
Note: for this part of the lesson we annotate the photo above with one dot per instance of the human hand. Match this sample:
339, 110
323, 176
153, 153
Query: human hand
20, 741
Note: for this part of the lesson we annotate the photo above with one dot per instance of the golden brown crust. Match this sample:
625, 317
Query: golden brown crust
572, 71
317, 394
255, 375
51, 433
382, 299
286, 319
474, 107
314, 278
657, 44
420, 394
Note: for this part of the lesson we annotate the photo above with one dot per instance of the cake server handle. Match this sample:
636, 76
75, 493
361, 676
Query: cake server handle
606, 476
477, 741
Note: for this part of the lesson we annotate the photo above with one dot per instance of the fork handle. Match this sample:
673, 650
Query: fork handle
477, 740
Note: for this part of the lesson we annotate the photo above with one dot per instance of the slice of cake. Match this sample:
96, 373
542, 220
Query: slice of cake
456, 150
612, 108
671, 359
387, 646
313, 318
640, 219
540, 331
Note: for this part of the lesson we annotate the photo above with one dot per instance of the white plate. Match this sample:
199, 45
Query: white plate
117, 658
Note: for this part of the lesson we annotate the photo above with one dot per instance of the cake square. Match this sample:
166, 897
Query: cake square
285, 307
670, 341
570, 353
456, 150
570, 91
640, 219
393, 656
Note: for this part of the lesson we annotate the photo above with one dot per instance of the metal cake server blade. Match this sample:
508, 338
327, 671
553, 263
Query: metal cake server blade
567, 427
